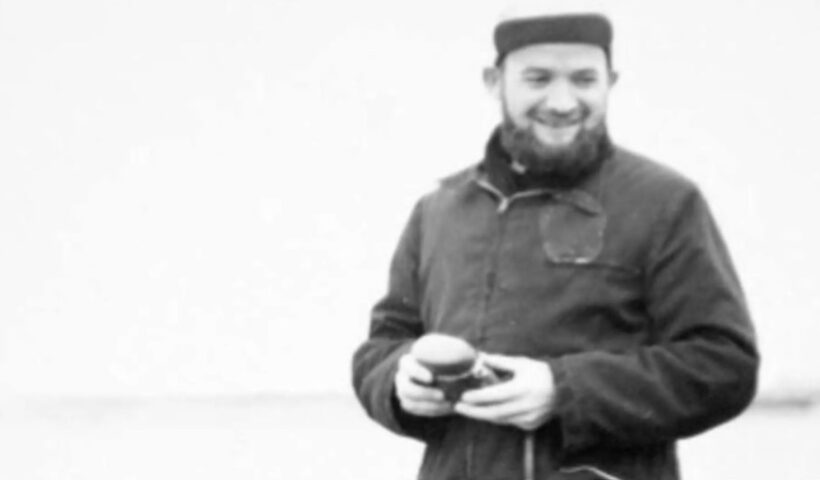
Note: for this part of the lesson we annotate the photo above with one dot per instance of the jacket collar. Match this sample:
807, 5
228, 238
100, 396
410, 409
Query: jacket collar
494, 172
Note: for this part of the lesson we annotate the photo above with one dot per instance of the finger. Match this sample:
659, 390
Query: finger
412, 368
528, 419
427, 409
501, 362
526, 422
493, 394
422, 394
503, 414
408, 389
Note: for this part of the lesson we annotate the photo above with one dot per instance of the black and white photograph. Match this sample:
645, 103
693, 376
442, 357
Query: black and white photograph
432, 240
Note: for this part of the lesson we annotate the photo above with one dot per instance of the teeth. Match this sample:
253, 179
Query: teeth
558, 124
553, 123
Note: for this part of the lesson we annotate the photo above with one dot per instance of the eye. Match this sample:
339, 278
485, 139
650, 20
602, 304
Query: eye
585, 80
537, 80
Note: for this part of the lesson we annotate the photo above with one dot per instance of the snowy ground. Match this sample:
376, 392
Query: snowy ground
296, 438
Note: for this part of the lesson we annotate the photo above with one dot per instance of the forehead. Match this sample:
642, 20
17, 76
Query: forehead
557, 56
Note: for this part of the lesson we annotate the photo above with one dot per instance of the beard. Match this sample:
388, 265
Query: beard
564, 165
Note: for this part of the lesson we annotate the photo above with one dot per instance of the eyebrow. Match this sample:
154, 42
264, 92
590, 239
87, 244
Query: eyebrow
537, 70
544, 70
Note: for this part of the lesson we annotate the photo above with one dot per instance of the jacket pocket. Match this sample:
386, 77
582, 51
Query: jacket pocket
575, 237
570, 234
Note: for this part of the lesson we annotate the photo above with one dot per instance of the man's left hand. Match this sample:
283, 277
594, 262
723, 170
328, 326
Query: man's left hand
524, 401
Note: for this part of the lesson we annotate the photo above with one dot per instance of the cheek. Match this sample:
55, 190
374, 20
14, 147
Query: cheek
520, 109
517, 113
597, 108
517, 105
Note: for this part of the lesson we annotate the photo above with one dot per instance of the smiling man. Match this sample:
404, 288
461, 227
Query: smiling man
595, 280
554, 101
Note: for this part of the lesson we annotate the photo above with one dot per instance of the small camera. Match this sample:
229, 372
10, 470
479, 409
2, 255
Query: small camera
456, 365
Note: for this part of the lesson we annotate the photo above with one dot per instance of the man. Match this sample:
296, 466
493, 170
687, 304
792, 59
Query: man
595, 277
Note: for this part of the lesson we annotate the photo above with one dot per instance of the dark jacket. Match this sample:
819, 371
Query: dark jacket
622, 285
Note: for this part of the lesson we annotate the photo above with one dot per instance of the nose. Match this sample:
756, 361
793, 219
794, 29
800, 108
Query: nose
560, 98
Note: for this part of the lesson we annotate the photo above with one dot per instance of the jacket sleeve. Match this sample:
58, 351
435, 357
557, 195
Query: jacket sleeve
395, 323
699, 370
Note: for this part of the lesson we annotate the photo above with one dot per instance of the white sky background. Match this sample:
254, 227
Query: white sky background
202, 196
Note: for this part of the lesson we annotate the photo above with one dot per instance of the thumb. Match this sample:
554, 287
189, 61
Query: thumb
501, 362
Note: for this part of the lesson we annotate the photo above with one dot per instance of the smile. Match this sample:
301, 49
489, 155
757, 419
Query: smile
558, 123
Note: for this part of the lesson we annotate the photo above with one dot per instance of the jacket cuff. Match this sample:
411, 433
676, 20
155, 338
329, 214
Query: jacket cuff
567, 410
387, 410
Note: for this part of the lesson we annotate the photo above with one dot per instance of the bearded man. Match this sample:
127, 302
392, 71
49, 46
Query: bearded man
594, 278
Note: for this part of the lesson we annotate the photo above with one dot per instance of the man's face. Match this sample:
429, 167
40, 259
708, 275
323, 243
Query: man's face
556, 91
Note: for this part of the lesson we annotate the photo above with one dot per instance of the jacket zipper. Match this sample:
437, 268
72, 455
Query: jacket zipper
491, 277
504, 202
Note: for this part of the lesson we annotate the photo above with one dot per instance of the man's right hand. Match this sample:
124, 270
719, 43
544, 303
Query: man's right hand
414, 392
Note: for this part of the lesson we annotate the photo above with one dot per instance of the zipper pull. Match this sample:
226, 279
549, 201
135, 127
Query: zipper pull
503, 204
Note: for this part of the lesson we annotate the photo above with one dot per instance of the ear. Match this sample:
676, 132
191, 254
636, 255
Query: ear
492, 81
613, 78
